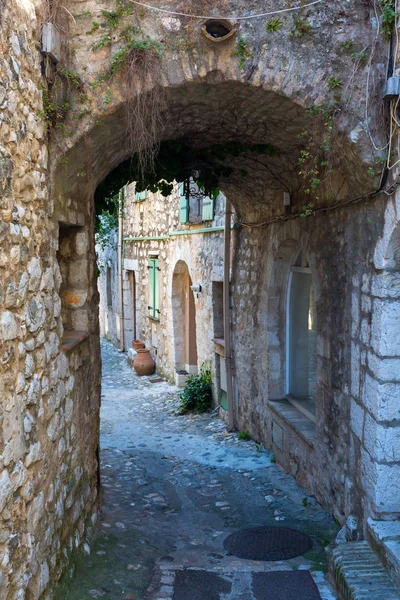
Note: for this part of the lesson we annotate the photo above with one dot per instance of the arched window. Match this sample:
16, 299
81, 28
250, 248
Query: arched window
301, 354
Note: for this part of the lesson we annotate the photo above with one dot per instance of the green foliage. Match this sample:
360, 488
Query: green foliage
103, 42
305, 502
244, 436
130, 45
334, 82
242, 52
53, 113
106, 226
389, 16
83, 15
307, 210
184, 46
274, 24
348, 45
175, 161
197, 395
300, 28
72, 77
325, 540
95, 27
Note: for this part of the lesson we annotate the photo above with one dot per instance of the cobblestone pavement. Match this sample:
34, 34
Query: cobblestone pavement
173, 488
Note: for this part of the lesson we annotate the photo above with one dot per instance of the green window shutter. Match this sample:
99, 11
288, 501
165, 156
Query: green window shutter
140, 196
154, 291
184, 206
208, 208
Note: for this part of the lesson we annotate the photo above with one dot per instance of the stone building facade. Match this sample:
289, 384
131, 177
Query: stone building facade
187, 245
257, 85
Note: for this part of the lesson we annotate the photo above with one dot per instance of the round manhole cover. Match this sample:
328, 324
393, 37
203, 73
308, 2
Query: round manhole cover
268, 543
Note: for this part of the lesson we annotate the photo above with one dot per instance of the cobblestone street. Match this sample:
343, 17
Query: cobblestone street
173, 488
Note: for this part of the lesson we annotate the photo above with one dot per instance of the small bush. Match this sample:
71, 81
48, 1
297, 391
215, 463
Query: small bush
197, 395
244, 436
275, 24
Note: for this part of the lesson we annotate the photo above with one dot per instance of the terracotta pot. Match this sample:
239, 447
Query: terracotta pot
143, 363
137, 345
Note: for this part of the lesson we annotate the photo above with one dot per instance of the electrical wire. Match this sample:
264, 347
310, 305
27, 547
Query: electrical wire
232, 18
355, 200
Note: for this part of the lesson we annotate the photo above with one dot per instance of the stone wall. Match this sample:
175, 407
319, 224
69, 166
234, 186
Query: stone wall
202, 253
48, 475
355, 443
50, 363
108, 290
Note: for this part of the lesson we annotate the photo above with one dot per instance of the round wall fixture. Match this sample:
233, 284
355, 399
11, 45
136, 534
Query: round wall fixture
218, 30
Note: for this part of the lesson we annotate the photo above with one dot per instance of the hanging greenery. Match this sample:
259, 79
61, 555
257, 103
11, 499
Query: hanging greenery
176, 161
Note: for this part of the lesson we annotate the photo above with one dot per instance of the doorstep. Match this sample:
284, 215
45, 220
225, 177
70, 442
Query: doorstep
384, 538
359, 574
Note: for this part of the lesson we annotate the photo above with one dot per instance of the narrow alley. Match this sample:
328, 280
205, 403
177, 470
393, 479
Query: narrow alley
173, 488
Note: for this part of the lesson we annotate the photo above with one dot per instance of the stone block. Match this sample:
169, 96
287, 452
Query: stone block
9, 327
385, 328
357, 416
382, 399
386, 284
5, 488
381, 483
382, 442
385, 369
384, 530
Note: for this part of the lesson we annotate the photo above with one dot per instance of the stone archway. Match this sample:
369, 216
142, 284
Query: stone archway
184, 322
213, 94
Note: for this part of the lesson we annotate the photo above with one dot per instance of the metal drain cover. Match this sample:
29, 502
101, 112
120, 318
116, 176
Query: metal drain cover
268, 543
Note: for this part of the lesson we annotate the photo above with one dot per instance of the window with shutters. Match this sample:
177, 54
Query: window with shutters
184, 205
154, 294
208, 209
195, 208
140, 196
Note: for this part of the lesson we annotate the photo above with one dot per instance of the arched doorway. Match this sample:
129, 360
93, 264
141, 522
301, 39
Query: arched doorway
184, 322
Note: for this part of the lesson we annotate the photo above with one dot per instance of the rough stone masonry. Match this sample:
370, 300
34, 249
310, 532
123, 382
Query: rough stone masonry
258, 85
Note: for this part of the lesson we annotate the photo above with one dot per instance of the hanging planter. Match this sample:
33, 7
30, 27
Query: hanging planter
143, 363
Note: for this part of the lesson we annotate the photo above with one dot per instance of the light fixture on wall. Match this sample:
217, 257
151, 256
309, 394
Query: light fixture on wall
196, 289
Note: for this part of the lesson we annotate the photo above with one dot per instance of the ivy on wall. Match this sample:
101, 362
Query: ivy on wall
175, 161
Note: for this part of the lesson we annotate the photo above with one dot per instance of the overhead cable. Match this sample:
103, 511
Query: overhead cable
231, 18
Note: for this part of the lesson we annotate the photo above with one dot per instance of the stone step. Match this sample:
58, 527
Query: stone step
384, 539
359, 574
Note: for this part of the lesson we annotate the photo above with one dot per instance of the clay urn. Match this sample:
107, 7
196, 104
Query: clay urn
137, 345
143, 363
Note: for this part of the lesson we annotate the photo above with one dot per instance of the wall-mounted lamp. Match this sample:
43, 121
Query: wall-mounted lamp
196, 288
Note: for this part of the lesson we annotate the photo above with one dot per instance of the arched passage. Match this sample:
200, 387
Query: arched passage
184, 320
210, 98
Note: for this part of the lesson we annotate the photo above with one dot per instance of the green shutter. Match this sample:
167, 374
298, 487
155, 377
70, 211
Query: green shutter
154, 292
140, 196
208, 208
184, 206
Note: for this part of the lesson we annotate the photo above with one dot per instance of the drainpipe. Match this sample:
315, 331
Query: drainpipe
120, 280
227, 316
